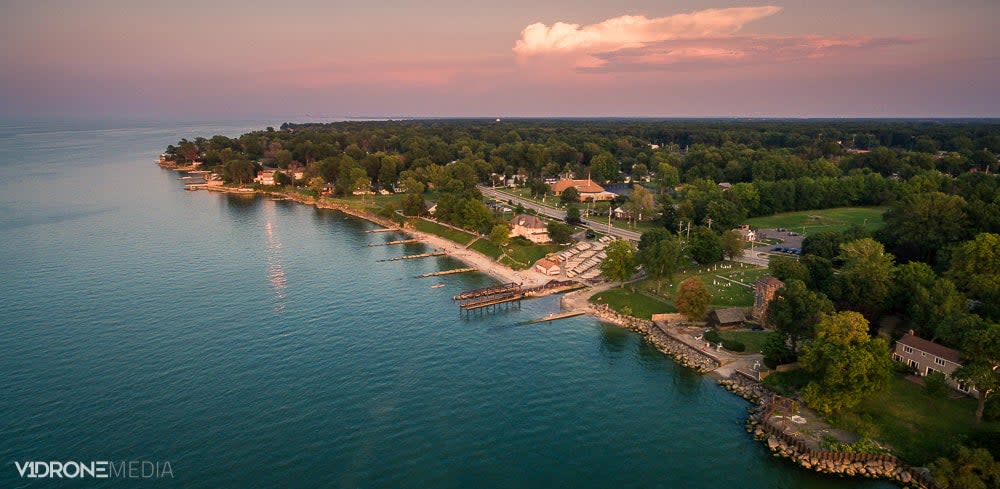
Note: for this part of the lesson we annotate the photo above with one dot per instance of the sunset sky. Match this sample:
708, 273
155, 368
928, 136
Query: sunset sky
300, 58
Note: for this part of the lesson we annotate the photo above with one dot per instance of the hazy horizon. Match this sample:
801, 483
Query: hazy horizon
448, 59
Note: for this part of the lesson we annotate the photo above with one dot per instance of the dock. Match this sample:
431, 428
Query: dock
382, 230
447, 272
556, 316
397, 242
490, 298
414, 257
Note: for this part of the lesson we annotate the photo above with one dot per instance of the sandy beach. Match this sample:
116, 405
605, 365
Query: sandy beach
485, 264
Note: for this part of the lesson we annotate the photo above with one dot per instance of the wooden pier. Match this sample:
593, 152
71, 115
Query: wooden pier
383, 230
414, 257
397, 242
447, 272
490, 298
557, 315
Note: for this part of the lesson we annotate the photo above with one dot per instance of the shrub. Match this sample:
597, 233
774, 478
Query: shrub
935, 385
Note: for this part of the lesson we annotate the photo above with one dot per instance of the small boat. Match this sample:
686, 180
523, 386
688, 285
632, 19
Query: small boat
437, 286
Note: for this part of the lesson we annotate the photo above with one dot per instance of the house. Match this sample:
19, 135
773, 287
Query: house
729, 317
329, 188
747, 233
926, 356
529, 227
620, 213
589, 191
725, 186
548, 266
265, 177
764, 290
298, 175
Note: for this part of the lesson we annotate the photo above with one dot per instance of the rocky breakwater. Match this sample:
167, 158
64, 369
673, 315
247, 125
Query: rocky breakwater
681, 352
765, 427
746, 388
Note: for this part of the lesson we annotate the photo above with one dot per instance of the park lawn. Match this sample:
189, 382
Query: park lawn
836, 219
445, 232
638, 304
918, 427
753, 340
733, 295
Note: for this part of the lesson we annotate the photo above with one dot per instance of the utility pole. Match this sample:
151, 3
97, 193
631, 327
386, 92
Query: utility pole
709, 220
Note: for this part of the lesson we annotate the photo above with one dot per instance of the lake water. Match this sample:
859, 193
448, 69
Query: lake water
254, 343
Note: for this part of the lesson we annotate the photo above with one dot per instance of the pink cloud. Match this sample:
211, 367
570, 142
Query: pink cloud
735, 50
577, 43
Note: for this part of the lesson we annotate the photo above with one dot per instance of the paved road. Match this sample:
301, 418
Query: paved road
558, 213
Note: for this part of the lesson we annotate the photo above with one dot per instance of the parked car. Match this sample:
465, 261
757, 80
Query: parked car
793, 233
591, 234
777, 248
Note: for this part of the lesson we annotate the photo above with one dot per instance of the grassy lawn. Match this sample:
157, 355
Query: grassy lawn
459, 237
633, 303
920, 428
487, 248
836, 219
646, 297
752, 339
521, 253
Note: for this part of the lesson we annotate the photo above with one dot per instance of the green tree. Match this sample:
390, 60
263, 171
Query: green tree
975, 269
569, 196
982, 364
972, 468
662, 258
559, 232
846, 364
796, 310
924, 223
732, 244
316, 184
573, 215
604, 167
705, 246
281, 178
500, 234
820, 272
640, 203
620, 262
865, 280
693, 298
667, 176
786, 268
240, 172
413, 205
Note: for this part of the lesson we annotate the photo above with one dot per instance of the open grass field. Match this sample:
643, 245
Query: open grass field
732, 295
753, 340
455, 235
637, 303
918, 427
836, 219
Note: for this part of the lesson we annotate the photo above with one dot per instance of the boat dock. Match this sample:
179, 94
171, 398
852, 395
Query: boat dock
397, 242
447, 272
414, 257
490, 298
382, 230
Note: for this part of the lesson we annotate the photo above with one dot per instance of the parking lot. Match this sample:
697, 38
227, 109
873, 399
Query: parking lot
789, 239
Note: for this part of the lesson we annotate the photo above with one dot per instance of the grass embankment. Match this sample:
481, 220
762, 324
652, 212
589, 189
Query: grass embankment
836, 219
917, 426
648, 295
520, 254
461, 237
635, 303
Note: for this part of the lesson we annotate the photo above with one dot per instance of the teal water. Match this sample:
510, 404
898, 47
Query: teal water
254, 343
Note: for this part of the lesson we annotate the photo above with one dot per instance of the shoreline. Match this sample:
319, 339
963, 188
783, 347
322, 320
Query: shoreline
680, 352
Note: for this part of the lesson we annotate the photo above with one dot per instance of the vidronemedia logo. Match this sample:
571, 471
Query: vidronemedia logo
100, 469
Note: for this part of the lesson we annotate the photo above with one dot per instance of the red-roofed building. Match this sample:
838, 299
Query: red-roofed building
926, 357
587, 188
548, 266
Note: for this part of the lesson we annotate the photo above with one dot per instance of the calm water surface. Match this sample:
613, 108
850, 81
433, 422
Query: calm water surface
254, 343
